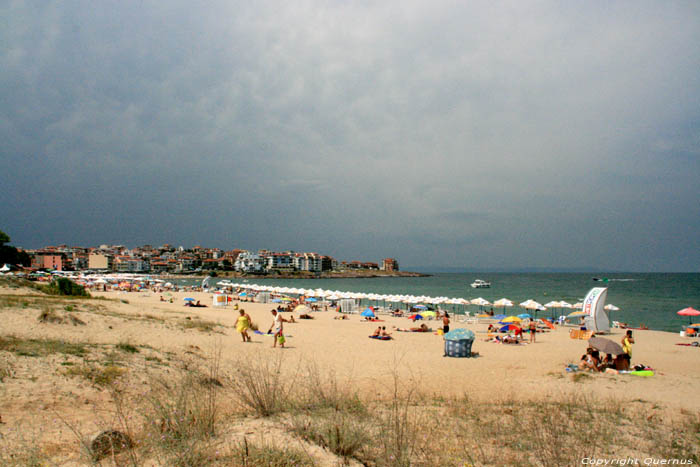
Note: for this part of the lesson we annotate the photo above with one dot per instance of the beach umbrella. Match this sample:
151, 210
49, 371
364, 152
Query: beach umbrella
189, 299
480, 301
303, 309
503, 303
368, 313
415, 317
311, 300
577, 306
511, 319
499, 317
605, 345
548, 323
428, 313
524, 316
576, 314
688, 312
509, 327
243, 294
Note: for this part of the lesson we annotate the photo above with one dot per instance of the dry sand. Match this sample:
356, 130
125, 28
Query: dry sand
38, 396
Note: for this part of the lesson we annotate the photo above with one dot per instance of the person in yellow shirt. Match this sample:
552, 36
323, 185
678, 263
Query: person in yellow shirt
627, 342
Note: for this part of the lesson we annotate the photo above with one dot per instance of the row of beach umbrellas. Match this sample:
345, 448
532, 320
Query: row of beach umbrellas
312, 295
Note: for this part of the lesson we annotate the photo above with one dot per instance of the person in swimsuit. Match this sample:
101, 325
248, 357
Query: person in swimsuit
533, 330
243, 324
446, 323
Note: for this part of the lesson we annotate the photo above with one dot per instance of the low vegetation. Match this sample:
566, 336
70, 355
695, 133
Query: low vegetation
40, 347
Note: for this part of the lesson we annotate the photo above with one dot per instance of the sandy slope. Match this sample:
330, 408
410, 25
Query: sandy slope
38, 396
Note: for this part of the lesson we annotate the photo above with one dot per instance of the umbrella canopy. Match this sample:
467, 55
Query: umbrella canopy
531, 305
547, 323
511, 319
605, 345
459, 334
276, 300
576, 314
311, 300
524, 316
416, 316
428, 313
189, 299
688, 312
504, 302
499, 317
480, 301
303, 309
368, 313
509, 327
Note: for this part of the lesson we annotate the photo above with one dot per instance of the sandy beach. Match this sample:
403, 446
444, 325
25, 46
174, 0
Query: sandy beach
38, 396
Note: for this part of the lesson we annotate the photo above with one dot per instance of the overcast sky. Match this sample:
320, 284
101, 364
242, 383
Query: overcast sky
452, 134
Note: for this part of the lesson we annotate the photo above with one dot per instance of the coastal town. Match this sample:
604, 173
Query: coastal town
167, 259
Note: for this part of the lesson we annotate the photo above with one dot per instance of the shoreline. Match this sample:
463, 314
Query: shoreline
331, 275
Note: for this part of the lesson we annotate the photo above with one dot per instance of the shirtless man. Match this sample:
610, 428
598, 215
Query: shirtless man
277, 321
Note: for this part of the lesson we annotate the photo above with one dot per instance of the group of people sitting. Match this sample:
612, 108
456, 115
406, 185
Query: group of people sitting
591, 360
380, 333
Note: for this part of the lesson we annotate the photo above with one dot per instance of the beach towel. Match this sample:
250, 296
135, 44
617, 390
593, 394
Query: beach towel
381, 338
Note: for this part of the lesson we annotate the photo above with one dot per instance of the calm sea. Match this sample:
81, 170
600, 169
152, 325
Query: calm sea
651, 299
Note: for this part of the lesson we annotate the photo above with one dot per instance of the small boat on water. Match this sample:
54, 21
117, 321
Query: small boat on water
479, 284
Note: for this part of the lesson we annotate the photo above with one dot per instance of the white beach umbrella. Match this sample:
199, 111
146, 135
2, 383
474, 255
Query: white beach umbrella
577, 306
480, 301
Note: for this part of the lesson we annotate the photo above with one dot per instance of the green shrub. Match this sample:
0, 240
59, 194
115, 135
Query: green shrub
63, 286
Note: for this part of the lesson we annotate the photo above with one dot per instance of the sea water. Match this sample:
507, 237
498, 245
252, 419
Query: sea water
650, 299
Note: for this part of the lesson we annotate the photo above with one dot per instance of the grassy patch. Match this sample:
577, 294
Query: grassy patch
200, 325
6, 370
343, 434
127, 347
261, 386
247, 454
40, 347
580, 377
100, 376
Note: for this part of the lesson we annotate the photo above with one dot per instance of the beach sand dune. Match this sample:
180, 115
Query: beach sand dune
42, 395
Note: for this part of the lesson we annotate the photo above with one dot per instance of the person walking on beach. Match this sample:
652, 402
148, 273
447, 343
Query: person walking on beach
277, 321
243, 324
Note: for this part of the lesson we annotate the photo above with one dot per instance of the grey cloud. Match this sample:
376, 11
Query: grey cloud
434, 133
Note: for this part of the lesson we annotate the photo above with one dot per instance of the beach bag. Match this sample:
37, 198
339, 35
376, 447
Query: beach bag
281, 339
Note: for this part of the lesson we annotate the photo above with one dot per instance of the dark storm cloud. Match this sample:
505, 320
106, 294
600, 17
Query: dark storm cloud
506, 135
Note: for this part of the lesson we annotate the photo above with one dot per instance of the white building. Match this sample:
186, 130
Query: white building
248, 262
